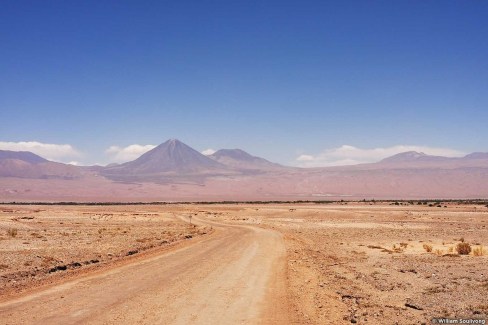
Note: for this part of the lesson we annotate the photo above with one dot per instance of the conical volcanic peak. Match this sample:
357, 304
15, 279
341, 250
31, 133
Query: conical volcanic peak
172, 156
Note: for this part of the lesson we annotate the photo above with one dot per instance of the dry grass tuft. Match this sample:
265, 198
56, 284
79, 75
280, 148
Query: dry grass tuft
427, 247
12, 232
479, 251
463, 248
397, 249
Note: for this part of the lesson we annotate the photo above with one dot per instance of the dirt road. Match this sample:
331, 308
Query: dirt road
235, 276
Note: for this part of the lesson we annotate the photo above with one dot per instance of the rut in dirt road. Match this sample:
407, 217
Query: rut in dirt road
236, 276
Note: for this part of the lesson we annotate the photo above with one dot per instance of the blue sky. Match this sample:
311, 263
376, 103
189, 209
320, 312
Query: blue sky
279, 79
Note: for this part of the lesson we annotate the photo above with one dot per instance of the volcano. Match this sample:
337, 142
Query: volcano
171, 158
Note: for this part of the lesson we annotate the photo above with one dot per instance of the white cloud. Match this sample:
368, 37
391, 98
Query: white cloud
208, 152
123, 154
350, 155
50, 151
305, 158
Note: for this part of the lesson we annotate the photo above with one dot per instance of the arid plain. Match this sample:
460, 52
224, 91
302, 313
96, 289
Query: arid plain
304, 263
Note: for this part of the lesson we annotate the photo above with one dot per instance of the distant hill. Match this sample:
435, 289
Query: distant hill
239, 159
414, 159
24, 164
410, 156
477, 155
174, 171
25, 156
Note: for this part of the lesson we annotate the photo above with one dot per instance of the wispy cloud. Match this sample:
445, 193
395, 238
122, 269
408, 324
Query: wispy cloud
208, 152
350, 155
124, 154
51, 151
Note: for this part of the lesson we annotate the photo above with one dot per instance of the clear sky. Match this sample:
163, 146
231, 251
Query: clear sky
279, 79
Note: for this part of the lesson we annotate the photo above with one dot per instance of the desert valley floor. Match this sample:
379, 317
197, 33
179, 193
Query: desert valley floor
335, 263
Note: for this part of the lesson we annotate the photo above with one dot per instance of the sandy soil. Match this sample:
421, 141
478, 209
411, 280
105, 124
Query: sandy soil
365, 263
39, 243
233, 276
271, 264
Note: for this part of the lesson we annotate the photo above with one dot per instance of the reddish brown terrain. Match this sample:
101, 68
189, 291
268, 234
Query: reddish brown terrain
40, 241
175, 172
342, 263
302, 263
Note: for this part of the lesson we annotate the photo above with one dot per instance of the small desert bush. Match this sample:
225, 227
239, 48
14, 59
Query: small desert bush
397, 249
12, 232
478, 251
451, 249
463, 248
427, 247
438, 252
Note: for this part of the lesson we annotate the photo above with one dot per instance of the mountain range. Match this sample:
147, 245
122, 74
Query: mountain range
24, 164
175, 171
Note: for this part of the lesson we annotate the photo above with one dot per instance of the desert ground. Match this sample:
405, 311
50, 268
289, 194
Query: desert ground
302, 263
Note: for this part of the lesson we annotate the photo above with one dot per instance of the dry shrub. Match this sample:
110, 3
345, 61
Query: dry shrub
438, 252
427, 247
12, 232
47, 261
403, 245
478, 251
451, 249
463, 248
397, 249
